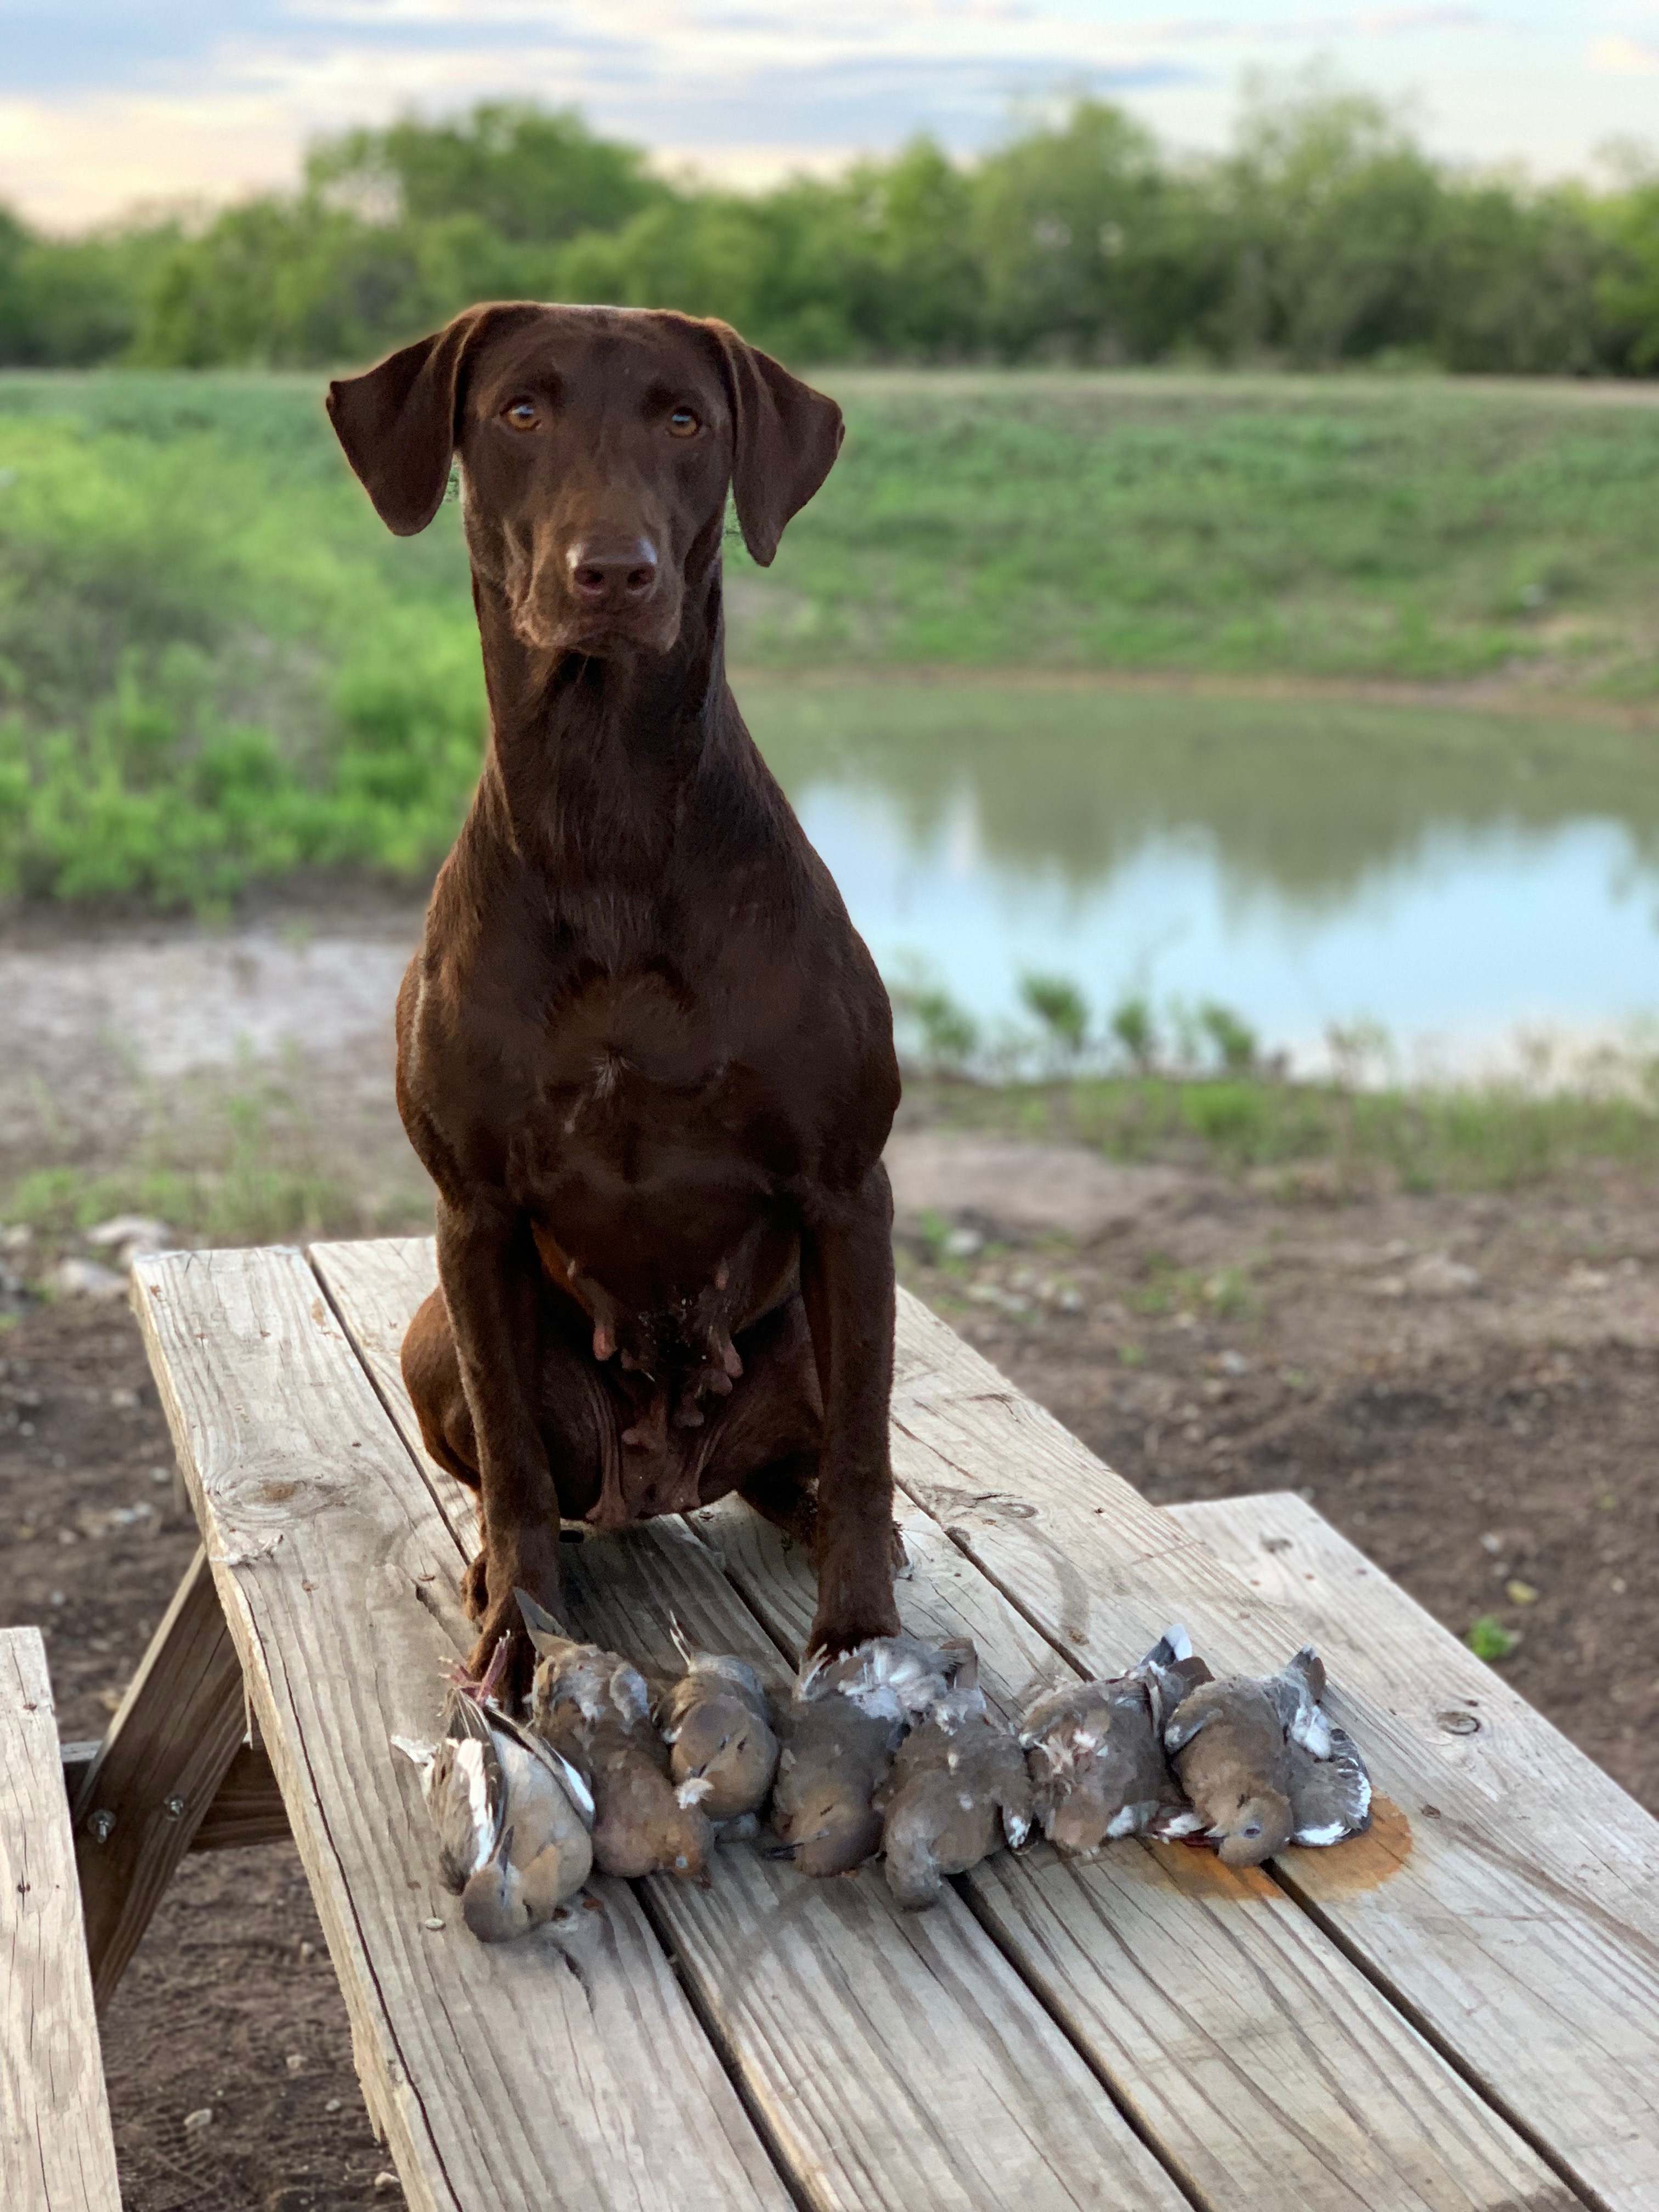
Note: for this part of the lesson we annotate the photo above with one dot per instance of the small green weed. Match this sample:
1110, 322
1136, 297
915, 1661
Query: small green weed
1489, 1639
1061, 1009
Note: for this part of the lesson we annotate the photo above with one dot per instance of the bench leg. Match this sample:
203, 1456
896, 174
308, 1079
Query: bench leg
156, 1774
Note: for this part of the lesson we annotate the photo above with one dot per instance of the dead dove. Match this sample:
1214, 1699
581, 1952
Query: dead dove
512, 1817
593, 1706
1096, 1757
722, 1751
1330, 1797
849, 1716
957, 1787
893, 1678
1244, 1749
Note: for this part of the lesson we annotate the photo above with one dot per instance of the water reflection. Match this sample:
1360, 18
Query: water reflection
1442, 872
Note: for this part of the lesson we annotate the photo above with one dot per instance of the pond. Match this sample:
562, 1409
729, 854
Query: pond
1464, 881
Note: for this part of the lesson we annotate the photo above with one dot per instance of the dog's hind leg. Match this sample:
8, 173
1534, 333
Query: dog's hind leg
785, 1492
432, 1377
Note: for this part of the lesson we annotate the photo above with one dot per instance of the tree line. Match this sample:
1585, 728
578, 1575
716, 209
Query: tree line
1326, 234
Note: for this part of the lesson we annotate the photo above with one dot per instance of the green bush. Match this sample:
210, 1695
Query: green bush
1326, 235
203, 685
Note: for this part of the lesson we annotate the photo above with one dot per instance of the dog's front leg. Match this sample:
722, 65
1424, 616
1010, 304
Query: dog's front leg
487, 1266
847, 1281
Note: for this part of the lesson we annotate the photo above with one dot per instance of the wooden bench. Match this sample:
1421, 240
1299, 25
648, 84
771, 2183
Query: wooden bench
56, 2153
1457, 2014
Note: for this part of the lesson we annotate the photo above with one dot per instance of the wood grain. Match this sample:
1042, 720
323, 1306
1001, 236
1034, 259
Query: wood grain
1262, 2062
895, 2061
247, 1807
56, 2153
536, 2074
1519, 1925
169, 1747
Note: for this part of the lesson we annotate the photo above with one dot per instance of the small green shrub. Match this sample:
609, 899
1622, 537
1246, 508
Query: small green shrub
1135, 1030
946, 1032
1489, 1639
1236, 1043
1060, 1007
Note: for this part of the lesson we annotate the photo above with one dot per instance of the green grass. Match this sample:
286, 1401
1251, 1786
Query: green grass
1488, 1639
1321, 1140
237, 1162
216, 669
1415, 529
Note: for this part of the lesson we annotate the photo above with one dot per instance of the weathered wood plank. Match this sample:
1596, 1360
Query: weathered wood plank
248, 1806
56, 2153
1280, 1546
525, 2073
894, 2061
1519, 1925
168, 1748
1258, 2057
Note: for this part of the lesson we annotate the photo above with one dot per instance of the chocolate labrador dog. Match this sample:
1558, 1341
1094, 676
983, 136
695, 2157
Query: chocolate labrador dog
643, 1052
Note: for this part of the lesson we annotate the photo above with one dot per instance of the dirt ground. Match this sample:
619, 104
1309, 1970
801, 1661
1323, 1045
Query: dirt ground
1467, 1387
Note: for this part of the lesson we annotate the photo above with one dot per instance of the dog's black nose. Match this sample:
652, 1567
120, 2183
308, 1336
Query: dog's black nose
611, 575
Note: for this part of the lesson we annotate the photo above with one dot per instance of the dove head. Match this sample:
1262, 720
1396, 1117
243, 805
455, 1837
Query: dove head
723, 1758
684, 1844
494, 1905
1078, 1824
831, 1829
1254, 1829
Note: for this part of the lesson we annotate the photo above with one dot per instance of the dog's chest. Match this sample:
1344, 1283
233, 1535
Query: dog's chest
641, 1093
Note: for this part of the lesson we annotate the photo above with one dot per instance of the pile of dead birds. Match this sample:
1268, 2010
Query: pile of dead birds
888, 1750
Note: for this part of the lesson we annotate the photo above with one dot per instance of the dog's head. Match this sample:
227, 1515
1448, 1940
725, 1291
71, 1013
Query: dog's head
596, 445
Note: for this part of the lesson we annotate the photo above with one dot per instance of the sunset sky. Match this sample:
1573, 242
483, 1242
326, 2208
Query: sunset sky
105, 102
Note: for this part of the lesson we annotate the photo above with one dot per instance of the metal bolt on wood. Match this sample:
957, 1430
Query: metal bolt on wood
174, 1807
102, 1827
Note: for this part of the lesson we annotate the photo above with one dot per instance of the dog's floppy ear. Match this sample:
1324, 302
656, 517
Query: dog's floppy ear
397, 422
785, 440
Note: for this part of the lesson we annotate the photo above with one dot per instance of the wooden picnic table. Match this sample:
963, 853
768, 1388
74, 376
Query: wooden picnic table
1457, 2012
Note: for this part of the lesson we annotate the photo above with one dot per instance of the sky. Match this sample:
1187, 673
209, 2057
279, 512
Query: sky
105, 103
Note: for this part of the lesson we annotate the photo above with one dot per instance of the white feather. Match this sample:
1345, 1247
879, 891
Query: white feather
469, 1757
1181, 1824
1316, 1839
628, 1688
1015, 1827
421, 1754
693, 1790
1312, 1730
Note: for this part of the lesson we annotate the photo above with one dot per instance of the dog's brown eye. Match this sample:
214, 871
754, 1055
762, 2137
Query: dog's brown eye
682, 424
521, 415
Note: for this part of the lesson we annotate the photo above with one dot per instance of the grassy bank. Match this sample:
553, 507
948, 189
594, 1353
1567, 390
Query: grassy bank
254, 1165
216, 669
1317, 1140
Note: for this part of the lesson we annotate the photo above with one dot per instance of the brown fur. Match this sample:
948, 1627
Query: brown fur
642, 1053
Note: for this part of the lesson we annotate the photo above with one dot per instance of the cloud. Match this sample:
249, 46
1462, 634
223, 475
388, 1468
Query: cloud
105, 102
1616, 55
